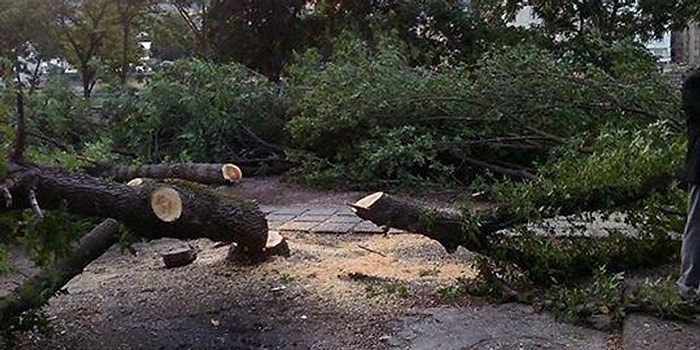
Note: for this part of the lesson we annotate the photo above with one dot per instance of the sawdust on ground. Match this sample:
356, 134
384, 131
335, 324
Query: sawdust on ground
335, 291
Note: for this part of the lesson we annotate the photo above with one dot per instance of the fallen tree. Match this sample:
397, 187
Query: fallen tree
484, 231
203, 173
151, 209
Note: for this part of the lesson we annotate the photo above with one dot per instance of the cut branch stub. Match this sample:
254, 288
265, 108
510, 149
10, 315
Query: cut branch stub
135, 182
231, 172
166, 204
7, 196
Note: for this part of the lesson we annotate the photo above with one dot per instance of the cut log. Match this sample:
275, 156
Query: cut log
37, 290
204, 173
176, 209
481, 232
475, 232
385, 210
179, 256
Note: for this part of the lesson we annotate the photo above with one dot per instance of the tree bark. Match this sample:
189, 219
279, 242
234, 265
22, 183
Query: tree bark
479, 232
203, 173
204, 213
151, 209
475, 232
37, 290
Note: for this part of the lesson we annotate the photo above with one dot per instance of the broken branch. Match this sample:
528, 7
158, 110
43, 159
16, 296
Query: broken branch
34, 204
37, 290
7, 196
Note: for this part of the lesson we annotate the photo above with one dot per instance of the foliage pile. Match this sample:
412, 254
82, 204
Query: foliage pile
628, 179
367, 116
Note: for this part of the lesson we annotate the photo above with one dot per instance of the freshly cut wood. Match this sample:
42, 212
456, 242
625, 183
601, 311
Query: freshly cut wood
204, 173
135, 182
166, 204
37, 290
179, 256
385, 210
200, 212
276, 246
274, 238
231, 172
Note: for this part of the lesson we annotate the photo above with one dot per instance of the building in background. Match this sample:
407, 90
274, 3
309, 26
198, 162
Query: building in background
685, 45
661, 48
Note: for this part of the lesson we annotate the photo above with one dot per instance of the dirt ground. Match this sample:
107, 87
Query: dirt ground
334, 292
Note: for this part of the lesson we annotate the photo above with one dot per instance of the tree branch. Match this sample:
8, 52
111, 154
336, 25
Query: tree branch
37, 291
21, 136
517, 174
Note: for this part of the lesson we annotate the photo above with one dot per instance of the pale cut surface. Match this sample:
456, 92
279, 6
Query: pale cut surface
136, 182
166, 204
231, 172
368, 201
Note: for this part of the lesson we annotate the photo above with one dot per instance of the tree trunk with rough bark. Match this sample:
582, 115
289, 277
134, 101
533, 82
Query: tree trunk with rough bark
203, 173
482, 232
202, 213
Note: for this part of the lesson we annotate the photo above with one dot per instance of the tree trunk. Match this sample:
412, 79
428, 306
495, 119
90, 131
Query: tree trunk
212, 174
479, 232
37, 290
126, 22
176, 209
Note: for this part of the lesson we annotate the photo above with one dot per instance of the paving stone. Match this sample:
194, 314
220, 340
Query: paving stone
334, 228
326, 209
298, 226
367, 227
492, 327
345, 219
646, 332
281, 217
294, 210
267, 209
274, 225
310, 217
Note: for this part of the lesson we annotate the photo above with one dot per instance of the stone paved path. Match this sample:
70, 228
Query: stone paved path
314, 218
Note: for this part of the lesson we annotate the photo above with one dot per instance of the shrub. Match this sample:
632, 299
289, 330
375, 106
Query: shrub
200, 111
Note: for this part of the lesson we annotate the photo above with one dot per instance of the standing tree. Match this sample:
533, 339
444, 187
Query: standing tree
85, 27
172, 37
194, 13
613, 19
100, 30
130, 16
259, 34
